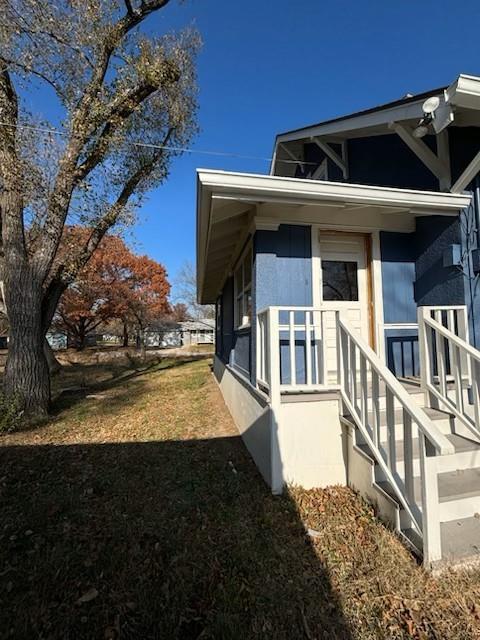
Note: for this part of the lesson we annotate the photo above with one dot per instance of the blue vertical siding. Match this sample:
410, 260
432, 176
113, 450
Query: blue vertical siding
413, 275
282, 273
401, 347
387, 161
232, 346
283, 267
397, 252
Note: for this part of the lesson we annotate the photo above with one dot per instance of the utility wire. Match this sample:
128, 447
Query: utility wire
224, 154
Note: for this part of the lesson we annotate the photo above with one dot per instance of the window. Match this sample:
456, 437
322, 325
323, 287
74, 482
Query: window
339, 280
243, 290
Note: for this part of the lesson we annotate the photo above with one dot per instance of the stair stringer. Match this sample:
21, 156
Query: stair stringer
361, 477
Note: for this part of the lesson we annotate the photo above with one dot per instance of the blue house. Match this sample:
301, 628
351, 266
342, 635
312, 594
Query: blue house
348, 310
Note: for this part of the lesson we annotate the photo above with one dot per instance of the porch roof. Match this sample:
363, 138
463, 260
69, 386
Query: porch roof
230, 206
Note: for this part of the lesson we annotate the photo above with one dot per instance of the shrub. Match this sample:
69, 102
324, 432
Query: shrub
10, 414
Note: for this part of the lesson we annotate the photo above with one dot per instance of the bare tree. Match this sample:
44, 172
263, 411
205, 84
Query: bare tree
115, 87
186, 285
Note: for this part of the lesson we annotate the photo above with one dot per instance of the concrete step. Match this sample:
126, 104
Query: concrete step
443, 421
461, 540
466, 456
459, 493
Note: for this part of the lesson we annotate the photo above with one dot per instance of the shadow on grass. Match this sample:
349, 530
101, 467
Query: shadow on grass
176, 539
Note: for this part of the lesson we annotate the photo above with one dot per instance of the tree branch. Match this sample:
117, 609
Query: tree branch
39, 74
65, 183
128, 4
64, 277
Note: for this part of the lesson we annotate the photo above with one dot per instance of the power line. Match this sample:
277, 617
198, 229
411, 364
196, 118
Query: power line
223, 154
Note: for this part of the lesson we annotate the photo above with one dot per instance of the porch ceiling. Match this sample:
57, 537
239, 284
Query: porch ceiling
231, 205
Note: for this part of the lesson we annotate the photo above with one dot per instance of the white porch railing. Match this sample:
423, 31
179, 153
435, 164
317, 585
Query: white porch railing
450, 366
302, 337
364, 380
306, 349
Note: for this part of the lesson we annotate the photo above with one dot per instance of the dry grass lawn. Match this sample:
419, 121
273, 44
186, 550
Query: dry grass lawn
136, 513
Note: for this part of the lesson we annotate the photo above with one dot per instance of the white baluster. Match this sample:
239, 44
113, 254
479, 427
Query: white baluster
293, 363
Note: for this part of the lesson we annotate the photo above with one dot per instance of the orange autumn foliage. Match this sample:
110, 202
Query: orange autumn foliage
115, 284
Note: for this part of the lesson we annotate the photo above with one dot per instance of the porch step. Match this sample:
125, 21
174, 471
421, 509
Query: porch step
461, 539
442, 419
466, 456
458, 491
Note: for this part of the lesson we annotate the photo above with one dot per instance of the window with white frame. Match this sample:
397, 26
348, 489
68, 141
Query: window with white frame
243, 290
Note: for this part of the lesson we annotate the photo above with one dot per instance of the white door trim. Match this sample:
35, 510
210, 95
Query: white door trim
376, 271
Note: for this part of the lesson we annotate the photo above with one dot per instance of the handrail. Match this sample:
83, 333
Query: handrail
424, 516
297, 354
442, 444
472, 352
448, 358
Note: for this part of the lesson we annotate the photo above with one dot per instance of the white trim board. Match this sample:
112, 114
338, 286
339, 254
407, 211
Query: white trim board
377, 292
228, 189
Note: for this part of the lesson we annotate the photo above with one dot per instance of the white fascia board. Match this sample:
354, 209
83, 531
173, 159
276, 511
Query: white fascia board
263, 188
464, 92
382, 116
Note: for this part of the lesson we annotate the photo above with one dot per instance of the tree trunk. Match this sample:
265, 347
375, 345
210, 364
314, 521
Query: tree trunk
141, 343
125, 334
26, 379
81, 336
54, 365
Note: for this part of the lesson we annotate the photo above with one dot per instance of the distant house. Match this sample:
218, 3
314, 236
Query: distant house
178, 334
198, 331
351, 268
163, 336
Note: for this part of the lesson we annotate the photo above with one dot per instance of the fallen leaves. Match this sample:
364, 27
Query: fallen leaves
149, 519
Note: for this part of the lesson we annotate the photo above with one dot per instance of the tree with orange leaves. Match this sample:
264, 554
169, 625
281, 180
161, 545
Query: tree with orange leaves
143, 296
116, 283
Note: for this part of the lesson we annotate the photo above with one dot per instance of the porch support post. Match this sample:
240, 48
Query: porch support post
275, 400
432, 543
424, 353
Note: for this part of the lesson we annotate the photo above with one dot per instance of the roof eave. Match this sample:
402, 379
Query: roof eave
261, 188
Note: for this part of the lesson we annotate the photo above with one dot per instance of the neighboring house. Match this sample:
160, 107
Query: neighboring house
182, 334
349, 269
200, 331
162, 337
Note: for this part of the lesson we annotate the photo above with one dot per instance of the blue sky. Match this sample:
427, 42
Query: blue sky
268, 66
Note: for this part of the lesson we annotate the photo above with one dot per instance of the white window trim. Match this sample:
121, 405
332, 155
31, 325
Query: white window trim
246, 322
